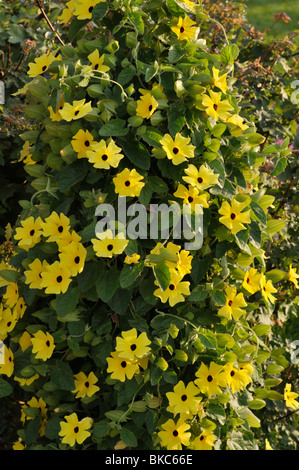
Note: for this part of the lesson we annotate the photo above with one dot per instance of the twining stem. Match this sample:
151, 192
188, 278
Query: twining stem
40, 6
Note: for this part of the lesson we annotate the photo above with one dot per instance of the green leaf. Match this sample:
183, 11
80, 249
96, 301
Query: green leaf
75, 27
259, 212
208, 339
136, 153
128, 437
276, 275
107, 284
99, 11
198, 294
9, 275
129, 274
126, 75
61, 374
67, 302
162, 275
32, 430
280, 166
5, 388
274, 369
71, 175
137, 21
261, 330
114, 128
176, 118
101, 429
52, 428
218, 297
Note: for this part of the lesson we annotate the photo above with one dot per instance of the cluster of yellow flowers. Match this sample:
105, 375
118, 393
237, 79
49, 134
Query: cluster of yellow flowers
131, 353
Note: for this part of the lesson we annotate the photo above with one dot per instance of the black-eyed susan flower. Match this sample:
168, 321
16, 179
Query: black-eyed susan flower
128, 183
180, 262
84, 8
85, 385
290, 397
20, 308
292, 276
33, 275
192, 197
132, 259
34, 402
5, 266
233, 215
236, 379
7, 362
56, 278
55, 114
175, 292
26, 382
8, 321
26, 154
25, 341
216, 108
107, 245
73, 257
105, 156
18, 445
174, 435
267, 289
210, 378
67, 12
40, 64
236, 125
11, 294
82, 142
132, 346
183, 399
120, 368
205, 441
251, 281
73, 430
146, 105
234, 304
219, 82
68, 237
56, 227
43, 345
75, 111
30, 232
97, 61
185, 29
201, 178
179, 149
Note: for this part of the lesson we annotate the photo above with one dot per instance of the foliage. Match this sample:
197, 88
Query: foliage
135, 82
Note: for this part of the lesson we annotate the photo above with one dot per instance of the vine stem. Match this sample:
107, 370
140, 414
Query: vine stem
40, 6
179, 318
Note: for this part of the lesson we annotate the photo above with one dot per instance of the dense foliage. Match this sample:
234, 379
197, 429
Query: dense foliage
140, 343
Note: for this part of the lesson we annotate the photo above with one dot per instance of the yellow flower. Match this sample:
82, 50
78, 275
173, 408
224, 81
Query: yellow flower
202, 178
251, 281
68, 237
293, 276
85, 385
130, 346
25, 155
233, 217
56, 278
55, 115
6, 266
132, 259
185, 28
7, 362
82, 142
174, 435
72, 257
67, 12
236, 125
290, 397
176, 290
56, 227
107, 246
219, 82
120, 368
18, 445
192, 197
128, 183
267, 289
7, 322
146, 105
29, 234
76, 110
179, 149
11, 294
74, 431
267, 445
97, 61
105, 156
25, 341
177, 260
205, 441
43, 345
236, 378
210, 379
234, 304
26, 382
40, 64
34, 274
84, 8
216, 108
183, 399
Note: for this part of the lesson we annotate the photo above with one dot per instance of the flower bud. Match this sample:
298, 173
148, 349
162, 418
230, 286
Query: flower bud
173, 331
139, 406
180, 355
162, 364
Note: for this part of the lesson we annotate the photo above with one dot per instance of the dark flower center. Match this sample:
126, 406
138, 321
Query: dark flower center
96, 66
232, 373
175, 433
76, 112
8, 323
133, 347
230, 302
209, 378
215, 106
60, 229
201, 438
44, 68
87, 143
190, 199
182, 29
110, 247
32, 232
86, 384
59, 279
172, 287
76, 429
184, 397
48, 343
127, 183
77, 259
123, 364
104, 157
90, 9
248, 280
150, 107
200, 180
175, 150
233, 216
